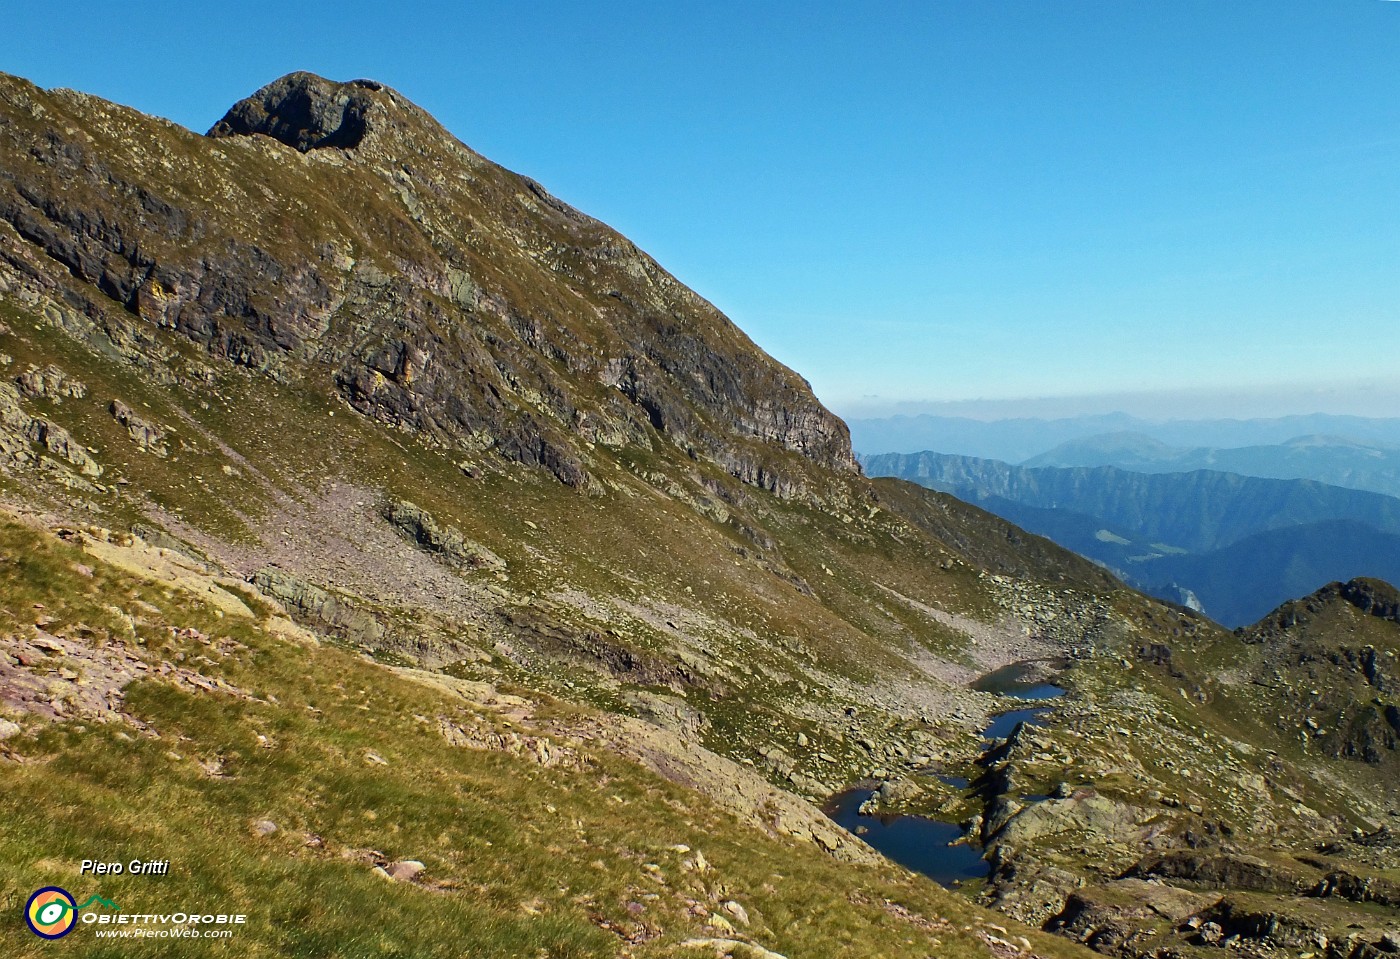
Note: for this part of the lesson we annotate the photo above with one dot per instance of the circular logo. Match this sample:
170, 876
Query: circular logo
51, 913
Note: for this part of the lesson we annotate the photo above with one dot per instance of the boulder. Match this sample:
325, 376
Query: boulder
405, 870
446, 542
144, 434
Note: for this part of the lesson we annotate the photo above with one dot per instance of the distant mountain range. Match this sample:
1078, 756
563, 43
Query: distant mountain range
1242, 582
1019, 440
1329, 459
1239, 545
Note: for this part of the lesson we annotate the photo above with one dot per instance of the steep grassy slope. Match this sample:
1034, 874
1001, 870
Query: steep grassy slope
534, 841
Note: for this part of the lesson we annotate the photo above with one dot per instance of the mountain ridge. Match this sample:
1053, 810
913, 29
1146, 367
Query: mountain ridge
1232, 505
1335, 460
1239, 546
1015, 440
625, 335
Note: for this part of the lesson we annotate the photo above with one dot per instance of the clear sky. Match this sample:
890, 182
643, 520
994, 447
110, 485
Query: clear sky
944, 200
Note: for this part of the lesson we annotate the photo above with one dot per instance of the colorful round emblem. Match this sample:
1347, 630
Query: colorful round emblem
51, 913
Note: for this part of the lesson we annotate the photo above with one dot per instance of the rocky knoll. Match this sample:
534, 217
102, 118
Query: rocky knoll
335, 231
1331, 656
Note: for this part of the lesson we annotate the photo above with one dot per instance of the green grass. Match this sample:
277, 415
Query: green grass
523, 860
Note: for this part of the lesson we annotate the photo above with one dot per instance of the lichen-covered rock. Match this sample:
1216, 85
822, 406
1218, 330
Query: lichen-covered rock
447, 542
1110, 918
1085, 813
50, 383
326, 609
145, 435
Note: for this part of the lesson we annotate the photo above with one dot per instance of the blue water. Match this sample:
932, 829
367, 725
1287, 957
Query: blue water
912, 841
1003, 724
922, 844
1037, 691
1008, 681
1012, 681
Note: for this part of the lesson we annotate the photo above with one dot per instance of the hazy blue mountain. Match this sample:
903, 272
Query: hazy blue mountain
1335, 460
1240, 544
1017, 440
1009, 440
1241, 583
1196, 511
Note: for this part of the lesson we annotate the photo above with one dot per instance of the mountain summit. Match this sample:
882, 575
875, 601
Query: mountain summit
442, 293
308, 112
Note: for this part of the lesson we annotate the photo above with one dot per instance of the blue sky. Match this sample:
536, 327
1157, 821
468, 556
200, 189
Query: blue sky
1182, 201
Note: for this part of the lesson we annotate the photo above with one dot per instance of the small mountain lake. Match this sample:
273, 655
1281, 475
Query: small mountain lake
1020, 680
912, 841
920, 843
1003, 724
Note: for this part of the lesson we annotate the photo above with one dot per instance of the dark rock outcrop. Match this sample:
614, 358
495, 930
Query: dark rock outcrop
1219, 870
447, 542
304, 111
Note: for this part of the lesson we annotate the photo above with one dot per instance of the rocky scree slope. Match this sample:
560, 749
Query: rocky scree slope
445, 816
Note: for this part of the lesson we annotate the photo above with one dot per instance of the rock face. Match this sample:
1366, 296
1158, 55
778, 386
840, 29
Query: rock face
420, 528
429, 288
319, 606
23, 434
304, 111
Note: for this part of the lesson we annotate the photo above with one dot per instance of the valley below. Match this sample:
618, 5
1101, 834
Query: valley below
1231, 545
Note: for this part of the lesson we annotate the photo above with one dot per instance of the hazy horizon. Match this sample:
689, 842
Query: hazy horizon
1367, 399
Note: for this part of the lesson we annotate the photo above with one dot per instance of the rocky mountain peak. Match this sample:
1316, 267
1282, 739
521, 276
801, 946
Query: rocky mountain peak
390, 265
1372, 597
307, 112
